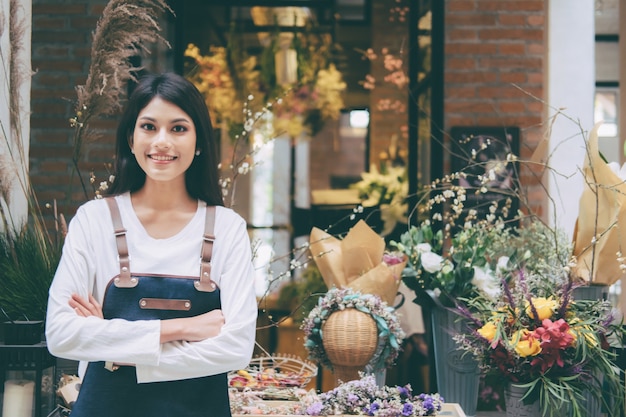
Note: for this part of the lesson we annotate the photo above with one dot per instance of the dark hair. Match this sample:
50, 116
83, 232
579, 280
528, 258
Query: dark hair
202, 177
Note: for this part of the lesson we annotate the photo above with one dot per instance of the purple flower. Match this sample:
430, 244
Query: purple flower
315, 409
407, 409
404, 391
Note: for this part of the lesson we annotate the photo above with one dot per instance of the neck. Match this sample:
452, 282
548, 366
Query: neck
163, 196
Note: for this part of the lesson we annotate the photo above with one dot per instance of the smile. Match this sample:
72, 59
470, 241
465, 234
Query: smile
162, 157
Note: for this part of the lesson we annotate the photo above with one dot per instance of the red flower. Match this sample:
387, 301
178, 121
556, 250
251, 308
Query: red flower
555, 337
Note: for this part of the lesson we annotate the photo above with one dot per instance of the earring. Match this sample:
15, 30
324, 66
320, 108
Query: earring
198, 152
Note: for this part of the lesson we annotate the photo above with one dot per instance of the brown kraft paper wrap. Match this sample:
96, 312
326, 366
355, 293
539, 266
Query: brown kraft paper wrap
356, 262
601, 214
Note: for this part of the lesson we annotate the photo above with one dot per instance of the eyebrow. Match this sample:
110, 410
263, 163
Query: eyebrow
179, 120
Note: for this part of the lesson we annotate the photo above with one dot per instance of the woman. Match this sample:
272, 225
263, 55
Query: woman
156, 344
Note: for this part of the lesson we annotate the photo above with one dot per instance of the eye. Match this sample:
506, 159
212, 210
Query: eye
147, 126
179, 129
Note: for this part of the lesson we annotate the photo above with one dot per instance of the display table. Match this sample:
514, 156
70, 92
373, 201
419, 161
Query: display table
449, 410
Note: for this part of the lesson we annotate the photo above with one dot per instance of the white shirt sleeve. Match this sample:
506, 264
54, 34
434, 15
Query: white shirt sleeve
89, 262
90, 338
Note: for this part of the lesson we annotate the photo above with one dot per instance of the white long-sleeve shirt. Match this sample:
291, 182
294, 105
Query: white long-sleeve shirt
90, 261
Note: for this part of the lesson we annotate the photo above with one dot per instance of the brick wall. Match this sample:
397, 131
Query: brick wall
61, 43
494, 71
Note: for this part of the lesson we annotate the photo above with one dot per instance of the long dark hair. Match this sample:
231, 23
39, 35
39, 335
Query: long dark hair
202, 177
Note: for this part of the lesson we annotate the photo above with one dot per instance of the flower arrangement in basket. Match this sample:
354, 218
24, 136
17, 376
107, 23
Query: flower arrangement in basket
537, 336
371, 315
354, 328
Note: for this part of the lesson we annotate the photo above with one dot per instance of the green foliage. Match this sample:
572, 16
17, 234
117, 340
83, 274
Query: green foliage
28, 261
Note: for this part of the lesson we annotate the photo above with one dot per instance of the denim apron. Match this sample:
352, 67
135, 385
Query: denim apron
111, 390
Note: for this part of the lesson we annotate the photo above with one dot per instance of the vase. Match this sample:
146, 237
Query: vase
515, 407
458, 376
590, 292
350, 338
593, 406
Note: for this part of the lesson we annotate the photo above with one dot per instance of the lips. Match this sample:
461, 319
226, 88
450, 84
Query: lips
162, 158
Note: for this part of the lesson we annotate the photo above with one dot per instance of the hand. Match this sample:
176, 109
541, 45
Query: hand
86, 308
192, 329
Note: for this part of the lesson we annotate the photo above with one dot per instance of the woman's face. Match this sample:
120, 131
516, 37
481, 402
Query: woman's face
164, 141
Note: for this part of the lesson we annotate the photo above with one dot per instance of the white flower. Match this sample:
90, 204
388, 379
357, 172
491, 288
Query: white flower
502, 265
423, 247
431, 262
486, 282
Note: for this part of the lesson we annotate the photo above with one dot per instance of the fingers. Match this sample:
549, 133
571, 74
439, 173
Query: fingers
86, 308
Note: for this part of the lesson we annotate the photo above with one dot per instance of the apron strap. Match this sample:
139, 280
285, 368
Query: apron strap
205, 284
124, 280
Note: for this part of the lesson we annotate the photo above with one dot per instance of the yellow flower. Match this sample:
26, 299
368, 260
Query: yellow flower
488, 331
587, 333
545, 307
525, 344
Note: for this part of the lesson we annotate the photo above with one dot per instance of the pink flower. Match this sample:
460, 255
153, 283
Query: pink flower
555, 338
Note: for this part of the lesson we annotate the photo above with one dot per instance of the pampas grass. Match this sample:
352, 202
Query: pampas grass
123, 32
29, 254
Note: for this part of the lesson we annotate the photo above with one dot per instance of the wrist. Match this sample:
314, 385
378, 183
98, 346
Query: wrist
172, 329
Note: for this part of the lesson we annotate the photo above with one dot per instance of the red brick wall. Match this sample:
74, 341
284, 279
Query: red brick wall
494, 70
61, 43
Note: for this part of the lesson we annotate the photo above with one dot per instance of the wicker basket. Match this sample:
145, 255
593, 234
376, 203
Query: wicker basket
350, 338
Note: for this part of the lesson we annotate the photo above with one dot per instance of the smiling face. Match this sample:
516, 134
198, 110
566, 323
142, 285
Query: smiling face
164, 142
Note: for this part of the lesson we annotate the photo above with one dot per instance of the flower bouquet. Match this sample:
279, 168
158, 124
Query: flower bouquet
353, 328
365, 397
469, 262
387, 331
540, 339
358, 261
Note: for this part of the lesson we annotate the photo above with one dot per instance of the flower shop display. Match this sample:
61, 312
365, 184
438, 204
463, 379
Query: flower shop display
231, 80
368, 337
555, 348
362, 396
225, 85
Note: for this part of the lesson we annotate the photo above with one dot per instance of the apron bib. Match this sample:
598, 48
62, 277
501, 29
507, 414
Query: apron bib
110, 390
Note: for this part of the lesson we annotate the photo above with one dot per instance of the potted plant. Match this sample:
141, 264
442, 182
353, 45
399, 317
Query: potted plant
28, 261
551, 348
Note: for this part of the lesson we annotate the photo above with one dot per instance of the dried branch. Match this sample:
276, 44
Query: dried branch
123, 32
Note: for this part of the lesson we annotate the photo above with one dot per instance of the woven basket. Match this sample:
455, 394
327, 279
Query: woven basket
350, 338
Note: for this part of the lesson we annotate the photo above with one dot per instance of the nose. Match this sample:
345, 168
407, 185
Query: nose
162, 140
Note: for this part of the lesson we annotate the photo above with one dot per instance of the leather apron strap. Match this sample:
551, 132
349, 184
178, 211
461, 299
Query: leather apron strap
126, 281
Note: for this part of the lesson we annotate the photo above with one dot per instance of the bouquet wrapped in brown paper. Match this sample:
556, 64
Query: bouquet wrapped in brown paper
357, 262
600, 232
